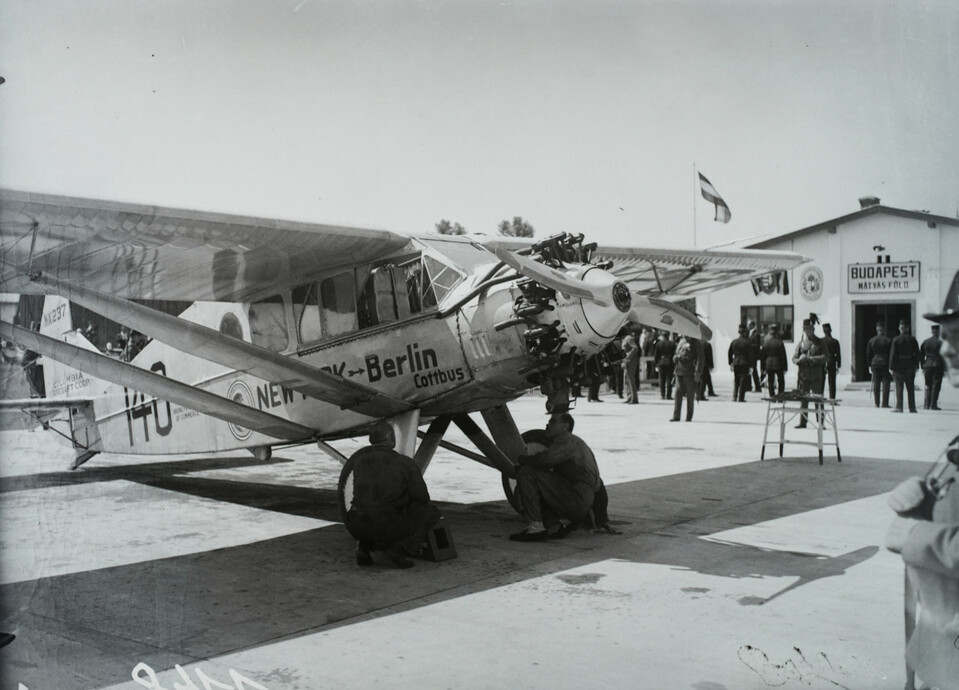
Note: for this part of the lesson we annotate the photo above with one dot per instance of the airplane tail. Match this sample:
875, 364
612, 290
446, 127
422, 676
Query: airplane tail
61, 381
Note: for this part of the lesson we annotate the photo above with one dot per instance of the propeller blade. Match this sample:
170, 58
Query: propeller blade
658, 313
551, 278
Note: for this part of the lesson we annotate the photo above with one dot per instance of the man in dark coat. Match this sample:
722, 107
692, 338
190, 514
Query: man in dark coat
690, 361
555, 487
877, 354
740, 356
932, 368
706, 382
810, 358
833, 358
664, 351
391, 507
776, 361
903, 361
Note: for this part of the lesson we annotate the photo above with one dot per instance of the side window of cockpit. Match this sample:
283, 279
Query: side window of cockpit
268, 324
338, 300
442, 278
230, 325
306, 312
385, 296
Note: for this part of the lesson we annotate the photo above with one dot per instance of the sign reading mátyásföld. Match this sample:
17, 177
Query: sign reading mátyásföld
888, 277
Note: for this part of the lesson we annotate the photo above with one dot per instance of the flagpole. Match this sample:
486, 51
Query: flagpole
695, 184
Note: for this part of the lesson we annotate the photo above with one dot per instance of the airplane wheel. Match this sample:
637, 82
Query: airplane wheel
262, 453
344, 489
536, 440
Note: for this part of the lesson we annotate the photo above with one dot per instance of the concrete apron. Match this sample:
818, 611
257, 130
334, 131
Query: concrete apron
729, 572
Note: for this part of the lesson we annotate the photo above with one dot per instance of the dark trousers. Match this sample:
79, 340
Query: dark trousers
544, 496
705, 384
881, 378
905, 378
631, 379
399, 530
685, 388
810, 386
933, 384
831, 378
594, 383
776, 380
740, 382
666, 380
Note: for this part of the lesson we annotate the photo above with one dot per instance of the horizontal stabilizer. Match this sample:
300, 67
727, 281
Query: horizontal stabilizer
211, 345
123, 374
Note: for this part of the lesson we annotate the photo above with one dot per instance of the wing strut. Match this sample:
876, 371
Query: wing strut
121, 373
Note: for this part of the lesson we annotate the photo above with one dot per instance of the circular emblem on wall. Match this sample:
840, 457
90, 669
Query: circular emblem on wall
240, 392
811, 282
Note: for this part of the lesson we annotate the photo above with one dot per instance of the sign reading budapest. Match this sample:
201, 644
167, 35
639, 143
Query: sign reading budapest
897, 277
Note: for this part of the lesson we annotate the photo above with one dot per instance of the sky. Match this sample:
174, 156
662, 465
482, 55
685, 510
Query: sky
581, 116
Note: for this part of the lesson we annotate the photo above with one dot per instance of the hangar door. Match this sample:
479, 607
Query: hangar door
867, 316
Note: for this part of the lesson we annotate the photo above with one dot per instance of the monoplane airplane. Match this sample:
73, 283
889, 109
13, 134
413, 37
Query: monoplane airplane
298, 332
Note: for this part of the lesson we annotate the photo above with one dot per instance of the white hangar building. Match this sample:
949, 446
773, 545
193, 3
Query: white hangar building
879, 264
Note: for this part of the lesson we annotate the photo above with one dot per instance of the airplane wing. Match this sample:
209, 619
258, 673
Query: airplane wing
146, 252
677, 274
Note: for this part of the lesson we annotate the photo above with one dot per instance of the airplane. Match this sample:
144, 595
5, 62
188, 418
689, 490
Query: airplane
294, 333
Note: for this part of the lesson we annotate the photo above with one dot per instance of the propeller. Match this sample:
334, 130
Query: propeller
658, 313
551, 278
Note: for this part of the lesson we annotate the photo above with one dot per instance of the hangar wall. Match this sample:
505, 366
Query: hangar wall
877, 264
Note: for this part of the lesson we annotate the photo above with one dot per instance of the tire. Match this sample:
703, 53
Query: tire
344, 489
536, 440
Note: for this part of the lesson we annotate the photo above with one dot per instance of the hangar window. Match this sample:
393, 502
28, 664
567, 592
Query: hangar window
268, 324
766, 314
230, 325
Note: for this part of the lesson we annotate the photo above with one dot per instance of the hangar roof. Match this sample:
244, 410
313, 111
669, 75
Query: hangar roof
862, 213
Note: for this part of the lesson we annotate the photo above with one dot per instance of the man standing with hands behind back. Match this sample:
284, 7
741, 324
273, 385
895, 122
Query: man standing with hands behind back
877, 354
903, 361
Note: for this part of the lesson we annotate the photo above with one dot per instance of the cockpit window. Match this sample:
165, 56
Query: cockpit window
442, 278
268, 324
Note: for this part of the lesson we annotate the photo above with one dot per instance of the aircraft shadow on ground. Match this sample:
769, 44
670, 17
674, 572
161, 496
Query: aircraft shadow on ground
195, 606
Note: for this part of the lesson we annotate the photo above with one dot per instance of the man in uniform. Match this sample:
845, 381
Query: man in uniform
665, 350
555, 488
877, 354
755, 346
632, 352
391, 507
932, 368
690, 361
776, 361
903, 361
810, 357
926, 533
739, 356
833, 358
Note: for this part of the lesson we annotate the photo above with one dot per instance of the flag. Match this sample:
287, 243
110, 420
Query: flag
711, 195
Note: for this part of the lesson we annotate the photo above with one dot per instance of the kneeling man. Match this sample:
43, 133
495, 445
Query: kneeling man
556, 485
391, 508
